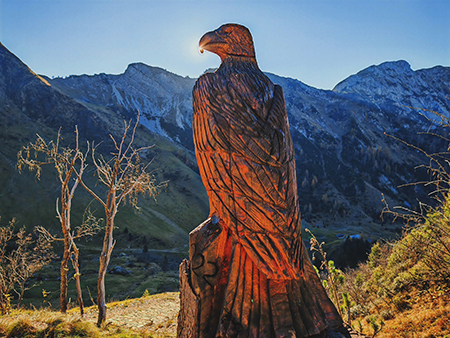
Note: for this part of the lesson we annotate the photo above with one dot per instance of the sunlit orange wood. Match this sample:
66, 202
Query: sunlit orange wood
248, 273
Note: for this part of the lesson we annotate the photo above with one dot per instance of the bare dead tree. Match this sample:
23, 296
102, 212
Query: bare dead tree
125, 177
19, 262
6, 282
66, 161
89, 227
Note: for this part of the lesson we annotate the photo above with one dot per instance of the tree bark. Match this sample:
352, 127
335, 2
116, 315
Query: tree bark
64, 218
105, 256
63, 274
76, 266
101, 303
189, 304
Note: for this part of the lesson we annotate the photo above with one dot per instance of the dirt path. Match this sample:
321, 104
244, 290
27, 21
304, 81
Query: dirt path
151, 314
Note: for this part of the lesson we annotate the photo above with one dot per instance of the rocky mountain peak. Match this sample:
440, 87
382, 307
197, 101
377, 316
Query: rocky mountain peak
14, 74
144, 68
157, 76
375, 76
396, 84
391, 67
162, 98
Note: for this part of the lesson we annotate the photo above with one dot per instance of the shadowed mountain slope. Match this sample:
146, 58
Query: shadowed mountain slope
30, 104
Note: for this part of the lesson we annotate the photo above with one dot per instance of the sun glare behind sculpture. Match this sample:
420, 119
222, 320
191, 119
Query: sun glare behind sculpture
192, 50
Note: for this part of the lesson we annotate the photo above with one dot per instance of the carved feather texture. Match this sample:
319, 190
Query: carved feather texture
246, 160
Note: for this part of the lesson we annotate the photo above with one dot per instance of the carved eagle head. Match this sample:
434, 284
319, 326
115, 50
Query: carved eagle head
228, 40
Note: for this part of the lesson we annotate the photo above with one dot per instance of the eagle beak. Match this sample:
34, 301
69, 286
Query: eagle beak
209, 42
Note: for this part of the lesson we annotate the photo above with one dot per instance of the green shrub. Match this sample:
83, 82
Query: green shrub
400, 302
375, 256
359, 311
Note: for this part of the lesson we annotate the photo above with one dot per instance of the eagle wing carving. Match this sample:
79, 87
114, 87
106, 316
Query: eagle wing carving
246, 160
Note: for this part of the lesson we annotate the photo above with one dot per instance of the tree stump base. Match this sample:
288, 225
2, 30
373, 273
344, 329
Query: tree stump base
224, 294
187, 318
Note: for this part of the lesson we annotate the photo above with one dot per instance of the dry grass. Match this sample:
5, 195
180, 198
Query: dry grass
427, 318
150, 316
426, 314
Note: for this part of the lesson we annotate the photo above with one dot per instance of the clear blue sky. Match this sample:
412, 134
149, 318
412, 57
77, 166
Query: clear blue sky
319, 42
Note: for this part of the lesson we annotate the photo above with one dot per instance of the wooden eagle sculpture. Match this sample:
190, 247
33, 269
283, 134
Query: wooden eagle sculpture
249, 274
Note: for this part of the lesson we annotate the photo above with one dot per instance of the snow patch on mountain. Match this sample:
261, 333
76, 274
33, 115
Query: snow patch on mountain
396, 87
159, 96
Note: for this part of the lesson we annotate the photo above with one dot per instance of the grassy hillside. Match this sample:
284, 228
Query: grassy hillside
151, 241
181, 195
403, 289
398, 291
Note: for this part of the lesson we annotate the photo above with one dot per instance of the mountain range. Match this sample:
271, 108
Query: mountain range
346, 152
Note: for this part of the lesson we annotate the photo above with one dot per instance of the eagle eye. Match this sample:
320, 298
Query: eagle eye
227, 30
